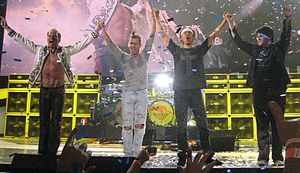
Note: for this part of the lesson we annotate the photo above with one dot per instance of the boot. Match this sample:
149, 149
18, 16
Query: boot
181, 158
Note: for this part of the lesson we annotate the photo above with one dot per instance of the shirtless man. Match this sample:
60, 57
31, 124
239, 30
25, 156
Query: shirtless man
51, 65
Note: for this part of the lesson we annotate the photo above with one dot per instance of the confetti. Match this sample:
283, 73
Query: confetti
17, 60
89, 57
170, 19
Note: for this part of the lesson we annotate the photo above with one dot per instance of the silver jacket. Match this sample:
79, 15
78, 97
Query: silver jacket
41, 52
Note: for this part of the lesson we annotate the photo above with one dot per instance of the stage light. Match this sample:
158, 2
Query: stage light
163, 80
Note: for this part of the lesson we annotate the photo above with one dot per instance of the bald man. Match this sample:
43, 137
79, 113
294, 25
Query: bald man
51, 67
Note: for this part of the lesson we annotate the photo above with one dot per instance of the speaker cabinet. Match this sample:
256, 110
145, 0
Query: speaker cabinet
17, 102
34, 126
15, 125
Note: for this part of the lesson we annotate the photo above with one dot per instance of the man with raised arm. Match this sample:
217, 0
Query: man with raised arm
268, 77
51, 67
135, 95
189, 79
120, 22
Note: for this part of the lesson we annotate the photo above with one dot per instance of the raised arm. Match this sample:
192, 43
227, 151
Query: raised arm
104, 32
139, 160
245, 46
231, 24
284, 41
84, 43
160, 29
288, 12
27, 44
149, 42
286, 129
153, 25
113, 47
170, 21
4, 24
218, 30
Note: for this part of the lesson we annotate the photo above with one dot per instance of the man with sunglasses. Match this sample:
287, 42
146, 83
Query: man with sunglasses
268, 77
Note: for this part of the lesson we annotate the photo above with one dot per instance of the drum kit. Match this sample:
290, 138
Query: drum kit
109, 110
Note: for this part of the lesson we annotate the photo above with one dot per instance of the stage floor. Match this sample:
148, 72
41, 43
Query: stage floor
243, 157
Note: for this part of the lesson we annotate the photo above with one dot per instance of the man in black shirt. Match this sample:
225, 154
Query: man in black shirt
189, 79
268, 77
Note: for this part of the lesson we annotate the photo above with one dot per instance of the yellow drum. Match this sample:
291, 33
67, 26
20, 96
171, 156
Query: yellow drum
161, 112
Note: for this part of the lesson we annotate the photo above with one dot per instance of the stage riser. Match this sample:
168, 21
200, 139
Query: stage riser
221, 140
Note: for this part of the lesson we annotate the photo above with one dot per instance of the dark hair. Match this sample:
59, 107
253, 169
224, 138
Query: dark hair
267, 30
136, 36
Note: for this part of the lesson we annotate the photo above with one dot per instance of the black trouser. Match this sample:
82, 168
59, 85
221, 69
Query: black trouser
190, 98
261, 97
51, 109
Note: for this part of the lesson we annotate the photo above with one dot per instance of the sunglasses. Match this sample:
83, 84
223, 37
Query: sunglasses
263, 35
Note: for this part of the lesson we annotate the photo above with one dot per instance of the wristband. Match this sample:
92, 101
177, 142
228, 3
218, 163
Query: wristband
170, 19
95, 34
292, 148
292, 153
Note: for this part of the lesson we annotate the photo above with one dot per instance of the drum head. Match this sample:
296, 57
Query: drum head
161, 112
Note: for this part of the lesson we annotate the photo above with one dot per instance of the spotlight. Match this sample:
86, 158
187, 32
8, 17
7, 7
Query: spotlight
163, 80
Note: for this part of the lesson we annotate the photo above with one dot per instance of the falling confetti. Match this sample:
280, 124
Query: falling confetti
17, 60
89, 57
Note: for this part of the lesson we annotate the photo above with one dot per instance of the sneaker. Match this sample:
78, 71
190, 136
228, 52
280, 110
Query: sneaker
278, 163
181, 158
262, 163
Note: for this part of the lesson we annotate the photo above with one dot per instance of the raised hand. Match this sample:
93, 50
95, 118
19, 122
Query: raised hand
230, 21
101, 24
225, 15
197, 165
74, 156
155, 13
143, 155
228, 17
3, 23
286, 129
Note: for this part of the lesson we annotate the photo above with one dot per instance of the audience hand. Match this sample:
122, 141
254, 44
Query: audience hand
74, 156
143, 156
286, 129
197, 165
